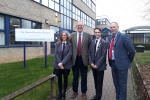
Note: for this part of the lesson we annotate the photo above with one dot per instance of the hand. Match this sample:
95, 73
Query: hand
92, 64
60, 64
62, 67
95, 67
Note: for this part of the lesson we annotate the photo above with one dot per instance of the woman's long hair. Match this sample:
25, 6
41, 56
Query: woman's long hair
67, 34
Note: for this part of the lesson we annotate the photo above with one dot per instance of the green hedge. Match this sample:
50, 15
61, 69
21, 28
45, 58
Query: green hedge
146, 45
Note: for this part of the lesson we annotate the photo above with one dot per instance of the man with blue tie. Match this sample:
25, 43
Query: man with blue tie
97, 60
121, 54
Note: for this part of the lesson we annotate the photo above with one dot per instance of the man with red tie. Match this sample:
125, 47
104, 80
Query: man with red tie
121, 54
80, 45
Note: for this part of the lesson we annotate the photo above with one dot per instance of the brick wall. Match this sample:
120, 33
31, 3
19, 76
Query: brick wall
16, 54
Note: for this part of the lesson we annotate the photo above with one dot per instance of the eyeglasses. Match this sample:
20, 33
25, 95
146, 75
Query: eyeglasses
97, 32
79, 25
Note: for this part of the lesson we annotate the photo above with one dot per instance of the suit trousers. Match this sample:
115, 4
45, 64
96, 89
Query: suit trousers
120, 81
79, 67
64, 73
98, 80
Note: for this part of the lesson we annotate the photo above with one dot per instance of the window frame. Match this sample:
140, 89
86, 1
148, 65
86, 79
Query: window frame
8, 31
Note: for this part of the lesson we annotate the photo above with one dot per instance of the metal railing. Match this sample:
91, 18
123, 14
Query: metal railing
52, 79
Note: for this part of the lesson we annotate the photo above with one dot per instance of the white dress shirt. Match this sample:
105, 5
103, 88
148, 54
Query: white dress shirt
98, 40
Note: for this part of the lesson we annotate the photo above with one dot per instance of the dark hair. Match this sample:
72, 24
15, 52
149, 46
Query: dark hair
68, 36
97, 29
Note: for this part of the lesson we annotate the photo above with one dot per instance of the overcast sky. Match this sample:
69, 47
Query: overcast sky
126, 12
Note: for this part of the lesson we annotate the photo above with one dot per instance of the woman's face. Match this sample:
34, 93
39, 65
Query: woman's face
64, 36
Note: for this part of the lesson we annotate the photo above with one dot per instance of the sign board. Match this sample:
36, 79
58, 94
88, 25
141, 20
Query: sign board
34, 35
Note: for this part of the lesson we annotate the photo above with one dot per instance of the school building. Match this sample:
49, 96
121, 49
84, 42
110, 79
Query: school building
40, 14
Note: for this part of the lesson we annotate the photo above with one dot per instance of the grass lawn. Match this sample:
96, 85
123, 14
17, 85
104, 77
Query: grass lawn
14, 77
142, 58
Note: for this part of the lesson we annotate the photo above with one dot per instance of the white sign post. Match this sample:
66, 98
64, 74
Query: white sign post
39, 35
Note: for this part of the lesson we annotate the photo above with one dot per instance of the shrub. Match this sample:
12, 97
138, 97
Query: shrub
146, 45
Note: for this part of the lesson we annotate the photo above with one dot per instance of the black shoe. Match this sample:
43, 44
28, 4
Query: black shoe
93, 98
59, 97
63, 96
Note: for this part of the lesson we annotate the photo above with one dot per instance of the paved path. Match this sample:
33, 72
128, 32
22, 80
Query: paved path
108, 87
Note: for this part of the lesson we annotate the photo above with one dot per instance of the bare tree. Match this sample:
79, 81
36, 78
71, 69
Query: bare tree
146, 12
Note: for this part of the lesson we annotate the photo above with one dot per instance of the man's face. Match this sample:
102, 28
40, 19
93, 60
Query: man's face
97, 34
114, 28
80, 26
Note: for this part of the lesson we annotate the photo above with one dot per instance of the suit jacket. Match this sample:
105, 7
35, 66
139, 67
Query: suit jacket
67, 62
100, 57
86, 39
123, 51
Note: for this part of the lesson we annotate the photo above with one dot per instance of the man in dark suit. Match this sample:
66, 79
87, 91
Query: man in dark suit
80, 45
97, 60
121, 54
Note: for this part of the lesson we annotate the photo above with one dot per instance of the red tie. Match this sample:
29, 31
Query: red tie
111, 48
79, 45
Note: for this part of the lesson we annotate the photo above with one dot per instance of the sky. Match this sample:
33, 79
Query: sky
127, 13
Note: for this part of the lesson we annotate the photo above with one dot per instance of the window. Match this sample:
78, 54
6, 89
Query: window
2, 38
68, 5
51, 4
57, 7
65, 20
62, 20
68, 22
57, 1
37, 1
36, 25
93, 7
90, 4
74, 9
26, 24
2, 34
70, 14
65, 4
93, 23
67, 14
62, 2
90, 22
1, 22
65, 11
45, 2
14, 23
8, 24
56, 36
62, 9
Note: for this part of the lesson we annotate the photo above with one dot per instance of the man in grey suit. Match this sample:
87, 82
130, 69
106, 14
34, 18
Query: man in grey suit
97, 60
121, 54
80, 45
